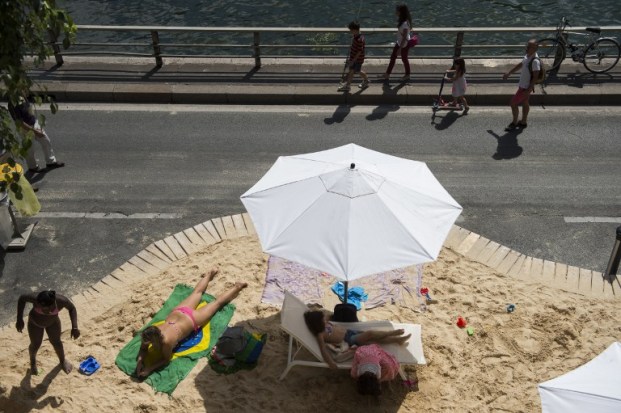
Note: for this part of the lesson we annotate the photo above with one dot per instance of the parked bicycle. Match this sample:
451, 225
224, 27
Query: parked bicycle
597, 54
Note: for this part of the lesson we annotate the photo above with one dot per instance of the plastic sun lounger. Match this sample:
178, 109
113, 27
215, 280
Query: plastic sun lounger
292, 321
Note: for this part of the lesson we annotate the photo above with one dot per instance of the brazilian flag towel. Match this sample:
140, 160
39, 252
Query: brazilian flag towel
188, 351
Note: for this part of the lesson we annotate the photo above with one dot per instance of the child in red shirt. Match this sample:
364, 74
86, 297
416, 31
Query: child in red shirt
356, 58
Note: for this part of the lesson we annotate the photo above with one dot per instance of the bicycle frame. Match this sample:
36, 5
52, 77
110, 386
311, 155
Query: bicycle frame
590, 48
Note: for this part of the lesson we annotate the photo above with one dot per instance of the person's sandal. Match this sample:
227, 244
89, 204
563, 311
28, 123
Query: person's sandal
510, 127
522, 125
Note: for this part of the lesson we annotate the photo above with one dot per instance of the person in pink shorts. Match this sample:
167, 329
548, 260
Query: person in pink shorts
529, 71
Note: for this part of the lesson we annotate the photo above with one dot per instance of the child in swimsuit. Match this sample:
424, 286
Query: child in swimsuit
372, 365
44, 318
327, 332
180, 323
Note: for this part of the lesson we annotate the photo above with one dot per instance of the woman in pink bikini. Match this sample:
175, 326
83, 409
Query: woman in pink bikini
44, 318
182, 321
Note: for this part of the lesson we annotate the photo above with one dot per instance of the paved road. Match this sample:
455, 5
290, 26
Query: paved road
195, 161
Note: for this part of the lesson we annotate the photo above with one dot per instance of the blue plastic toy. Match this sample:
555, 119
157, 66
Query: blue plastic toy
89, 366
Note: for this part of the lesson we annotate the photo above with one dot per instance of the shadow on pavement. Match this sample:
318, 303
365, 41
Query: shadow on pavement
508, 147
339, 115
446, 121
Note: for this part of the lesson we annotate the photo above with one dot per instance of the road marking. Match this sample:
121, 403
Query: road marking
582, 220
108, 215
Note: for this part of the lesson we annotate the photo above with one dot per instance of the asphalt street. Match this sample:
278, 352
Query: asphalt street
195, 161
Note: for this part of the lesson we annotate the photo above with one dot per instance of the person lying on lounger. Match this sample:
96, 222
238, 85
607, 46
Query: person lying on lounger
326, 332
372, 365
44, 318
180, 323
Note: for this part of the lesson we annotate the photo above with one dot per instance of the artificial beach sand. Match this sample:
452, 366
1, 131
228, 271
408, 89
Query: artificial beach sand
496, 370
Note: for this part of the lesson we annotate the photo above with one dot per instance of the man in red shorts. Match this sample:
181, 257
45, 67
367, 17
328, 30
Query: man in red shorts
530, 66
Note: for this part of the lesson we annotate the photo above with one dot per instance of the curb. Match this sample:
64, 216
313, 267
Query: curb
516, 265
160, 255
255, 94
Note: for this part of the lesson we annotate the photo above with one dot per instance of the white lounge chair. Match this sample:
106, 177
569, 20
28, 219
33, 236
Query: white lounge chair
292, 321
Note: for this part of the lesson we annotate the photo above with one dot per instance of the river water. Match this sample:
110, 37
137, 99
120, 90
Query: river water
331, 13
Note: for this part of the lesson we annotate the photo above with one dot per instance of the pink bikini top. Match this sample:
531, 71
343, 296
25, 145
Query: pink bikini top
38, 310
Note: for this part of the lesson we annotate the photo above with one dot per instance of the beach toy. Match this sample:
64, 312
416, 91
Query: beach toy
461, 322
470, 331
510, 308
89, 366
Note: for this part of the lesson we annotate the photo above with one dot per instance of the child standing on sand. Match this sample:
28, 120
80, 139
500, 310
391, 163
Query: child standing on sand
459, 83
356, 58
326, 332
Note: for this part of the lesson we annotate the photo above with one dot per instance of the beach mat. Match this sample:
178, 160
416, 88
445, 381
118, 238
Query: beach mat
188, 351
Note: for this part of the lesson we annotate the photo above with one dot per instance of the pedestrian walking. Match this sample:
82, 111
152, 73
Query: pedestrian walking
356, 58
529, 71
459, 83
402, 46
44, 318
26, 121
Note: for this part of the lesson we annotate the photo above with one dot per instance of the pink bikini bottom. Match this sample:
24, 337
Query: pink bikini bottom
190, 313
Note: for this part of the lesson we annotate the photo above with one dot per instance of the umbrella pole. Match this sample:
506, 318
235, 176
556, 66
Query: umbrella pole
345, 294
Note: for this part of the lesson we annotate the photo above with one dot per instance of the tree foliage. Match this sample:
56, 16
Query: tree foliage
26, 30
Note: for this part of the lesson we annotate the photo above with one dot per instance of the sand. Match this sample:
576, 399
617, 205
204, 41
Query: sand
496, 370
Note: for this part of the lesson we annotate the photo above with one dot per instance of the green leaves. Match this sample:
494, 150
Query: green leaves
25, 30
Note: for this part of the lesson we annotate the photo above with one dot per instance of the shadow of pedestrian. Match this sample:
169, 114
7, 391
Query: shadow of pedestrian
339, 115
508, 147
381, 112
445, 121
25, 398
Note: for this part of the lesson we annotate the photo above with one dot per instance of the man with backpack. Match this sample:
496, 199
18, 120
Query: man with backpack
529, 75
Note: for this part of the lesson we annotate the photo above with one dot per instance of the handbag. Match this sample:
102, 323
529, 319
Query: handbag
414, 40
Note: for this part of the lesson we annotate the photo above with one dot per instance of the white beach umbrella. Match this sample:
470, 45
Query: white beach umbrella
593, 387
351, 211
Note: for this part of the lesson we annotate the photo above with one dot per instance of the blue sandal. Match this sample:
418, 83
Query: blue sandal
89, 366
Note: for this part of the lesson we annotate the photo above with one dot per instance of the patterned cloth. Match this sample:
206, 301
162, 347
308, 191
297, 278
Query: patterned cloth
308, 284
374, 354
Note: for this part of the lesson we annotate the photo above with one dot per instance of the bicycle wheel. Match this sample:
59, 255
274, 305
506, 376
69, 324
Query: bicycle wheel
551, 52
602, 55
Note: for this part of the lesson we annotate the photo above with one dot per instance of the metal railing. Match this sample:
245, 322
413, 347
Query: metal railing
253, 35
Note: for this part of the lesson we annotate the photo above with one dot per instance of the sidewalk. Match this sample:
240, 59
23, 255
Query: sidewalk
306, 82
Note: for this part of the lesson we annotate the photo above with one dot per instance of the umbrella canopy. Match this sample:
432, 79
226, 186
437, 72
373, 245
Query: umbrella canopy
351, 211
593, 387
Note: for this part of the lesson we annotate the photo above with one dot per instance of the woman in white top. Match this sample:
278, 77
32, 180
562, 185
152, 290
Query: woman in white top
403, 37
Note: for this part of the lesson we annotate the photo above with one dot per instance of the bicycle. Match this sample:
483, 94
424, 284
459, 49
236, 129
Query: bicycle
597, 54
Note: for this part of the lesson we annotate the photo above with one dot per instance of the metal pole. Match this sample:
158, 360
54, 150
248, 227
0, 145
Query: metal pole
345, 284
615, 257
57, 54
156, 48
257, 50
459, 41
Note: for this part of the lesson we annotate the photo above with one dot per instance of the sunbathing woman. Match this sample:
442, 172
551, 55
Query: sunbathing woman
44, 318
181, 321
326, 332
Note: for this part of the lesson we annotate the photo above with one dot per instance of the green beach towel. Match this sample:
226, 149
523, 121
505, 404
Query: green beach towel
187, 353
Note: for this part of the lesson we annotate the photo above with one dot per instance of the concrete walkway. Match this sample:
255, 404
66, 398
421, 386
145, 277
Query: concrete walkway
157, 257
306, 82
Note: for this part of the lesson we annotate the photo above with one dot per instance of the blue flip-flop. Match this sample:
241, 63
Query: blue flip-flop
89, 366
